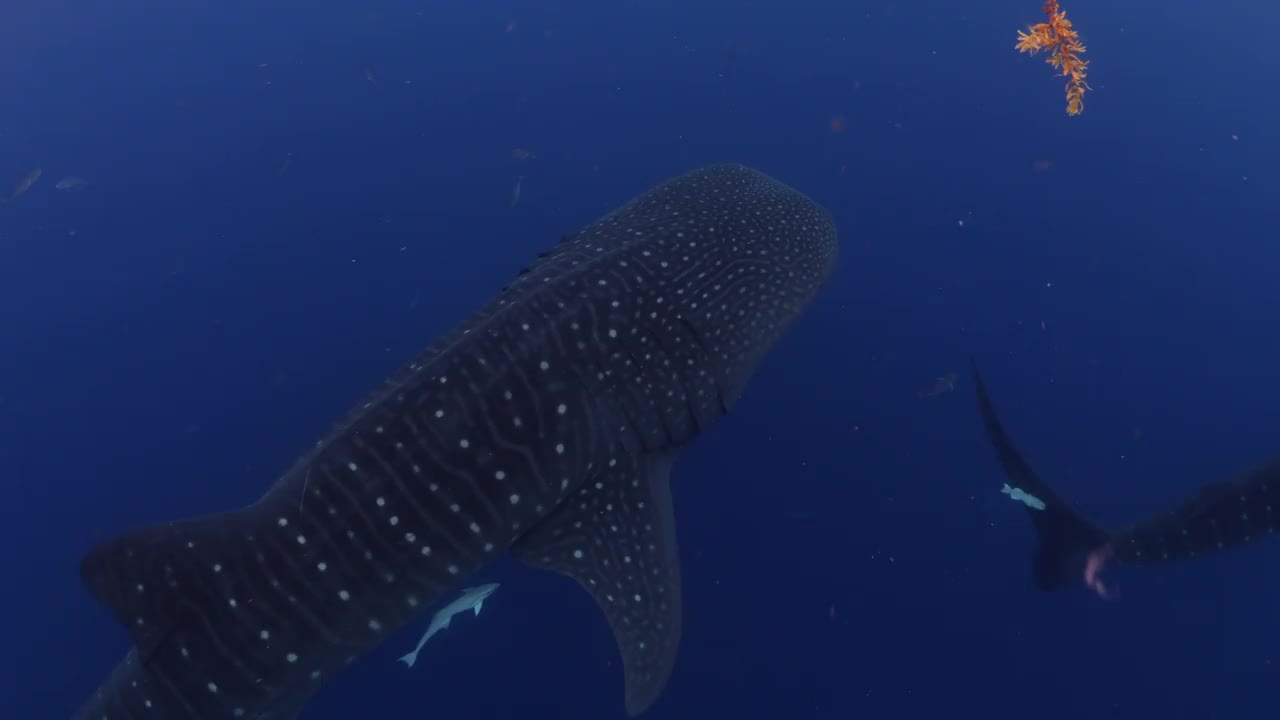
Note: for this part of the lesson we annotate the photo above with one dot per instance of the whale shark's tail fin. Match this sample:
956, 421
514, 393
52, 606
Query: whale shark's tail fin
1066, 540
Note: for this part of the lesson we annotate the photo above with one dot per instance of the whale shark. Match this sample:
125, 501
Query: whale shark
543, 426
472, 599
1073, 551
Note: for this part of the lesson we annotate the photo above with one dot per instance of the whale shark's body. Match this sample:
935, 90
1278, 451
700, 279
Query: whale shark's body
544, 425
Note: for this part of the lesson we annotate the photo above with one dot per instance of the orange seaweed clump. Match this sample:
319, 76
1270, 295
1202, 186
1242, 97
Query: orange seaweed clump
1063, 43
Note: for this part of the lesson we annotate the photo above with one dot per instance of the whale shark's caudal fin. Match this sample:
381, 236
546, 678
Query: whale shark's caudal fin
1066, 539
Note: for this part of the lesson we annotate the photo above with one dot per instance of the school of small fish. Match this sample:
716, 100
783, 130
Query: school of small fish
70, 183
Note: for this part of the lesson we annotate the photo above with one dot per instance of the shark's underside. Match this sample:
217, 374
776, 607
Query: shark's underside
545, 424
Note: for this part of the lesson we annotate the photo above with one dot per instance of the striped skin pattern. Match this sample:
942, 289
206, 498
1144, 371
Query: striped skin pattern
545, 425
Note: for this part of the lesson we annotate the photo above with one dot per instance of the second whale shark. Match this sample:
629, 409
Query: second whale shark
1072, 550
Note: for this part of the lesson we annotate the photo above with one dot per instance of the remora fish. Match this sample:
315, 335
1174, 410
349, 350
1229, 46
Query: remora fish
71, 183
944, 384
545, 424
472, 599
1073, 550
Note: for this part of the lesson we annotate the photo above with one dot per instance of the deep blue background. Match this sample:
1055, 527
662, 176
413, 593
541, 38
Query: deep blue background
846, 550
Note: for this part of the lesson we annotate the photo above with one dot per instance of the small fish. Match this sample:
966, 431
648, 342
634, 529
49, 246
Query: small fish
941, 385
472, 599
284, 166
1022, 496
71, 183
522, 154
30, 179
515, 193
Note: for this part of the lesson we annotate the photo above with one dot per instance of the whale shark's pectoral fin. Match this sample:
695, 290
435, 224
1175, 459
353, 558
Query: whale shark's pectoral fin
616, 536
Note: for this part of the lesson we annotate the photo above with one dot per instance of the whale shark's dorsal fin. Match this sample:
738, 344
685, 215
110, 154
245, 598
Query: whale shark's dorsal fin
617, 538
146, 576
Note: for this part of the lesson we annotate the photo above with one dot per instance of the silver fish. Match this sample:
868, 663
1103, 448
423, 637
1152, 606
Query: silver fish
471, 601
70, 183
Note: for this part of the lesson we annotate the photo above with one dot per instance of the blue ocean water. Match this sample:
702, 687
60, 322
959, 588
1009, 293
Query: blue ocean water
285, 201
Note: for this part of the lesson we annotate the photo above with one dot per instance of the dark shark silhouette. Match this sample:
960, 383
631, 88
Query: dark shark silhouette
1072, 550
546, 424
